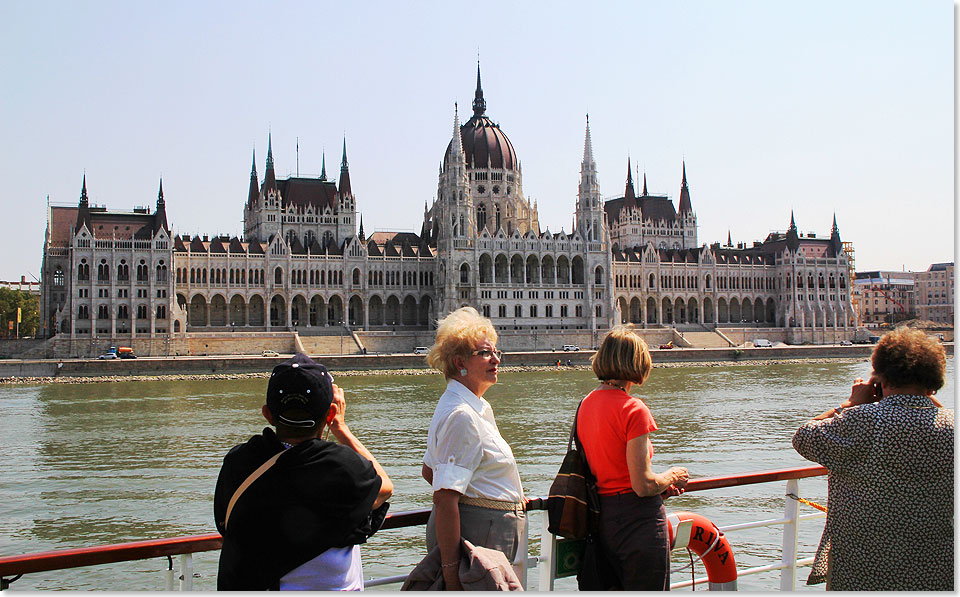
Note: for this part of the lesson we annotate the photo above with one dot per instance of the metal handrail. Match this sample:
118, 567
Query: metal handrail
11, 566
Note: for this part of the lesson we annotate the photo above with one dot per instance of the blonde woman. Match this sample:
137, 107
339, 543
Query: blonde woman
614, 429
477, 493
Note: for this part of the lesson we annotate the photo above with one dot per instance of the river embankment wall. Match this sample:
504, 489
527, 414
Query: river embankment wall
225, 365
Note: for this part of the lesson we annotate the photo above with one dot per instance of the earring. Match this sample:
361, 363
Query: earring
463, 372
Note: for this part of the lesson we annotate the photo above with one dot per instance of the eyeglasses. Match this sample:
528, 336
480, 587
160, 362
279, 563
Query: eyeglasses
485, 353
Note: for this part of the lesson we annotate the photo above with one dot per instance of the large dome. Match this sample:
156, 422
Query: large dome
484, 144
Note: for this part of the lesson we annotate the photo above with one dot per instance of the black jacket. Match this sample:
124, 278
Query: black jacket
317, 495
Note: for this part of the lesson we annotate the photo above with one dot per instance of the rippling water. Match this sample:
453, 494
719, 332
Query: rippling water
106, 463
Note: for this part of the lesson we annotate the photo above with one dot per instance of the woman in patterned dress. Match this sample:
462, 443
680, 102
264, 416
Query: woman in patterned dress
889, 452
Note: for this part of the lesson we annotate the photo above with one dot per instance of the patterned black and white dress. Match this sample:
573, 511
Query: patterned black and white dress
890, 495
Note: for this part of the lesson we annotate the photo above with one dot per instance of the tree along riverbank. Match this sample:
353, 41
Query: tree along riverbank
368, 372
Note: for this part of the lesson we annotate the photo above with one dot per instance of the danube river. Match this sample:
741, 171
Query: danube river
95, 464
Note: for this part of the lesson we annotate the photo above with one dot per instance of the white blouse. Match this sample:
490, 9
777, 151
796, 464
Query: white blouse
465, 450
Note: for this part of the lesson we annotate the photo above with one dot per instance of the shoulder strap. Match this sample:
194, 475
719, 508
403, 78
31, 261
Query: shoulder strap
575, 438
247, 483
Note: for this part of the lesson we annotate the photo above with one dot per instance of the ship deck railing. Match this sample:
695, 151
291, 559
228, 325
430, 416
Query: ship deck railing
15, 566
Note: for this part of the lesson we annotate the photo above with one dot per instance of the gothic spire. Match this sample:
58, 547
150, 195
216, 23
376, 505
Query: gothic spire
84, 201
456, 139
834, 230
629, 195
729, 239
269, 178
685, 206
361, 235
588, 147
644, 184
793, 237
160, 216
323, 168
479, 104
83, 209
254, 191
345, 171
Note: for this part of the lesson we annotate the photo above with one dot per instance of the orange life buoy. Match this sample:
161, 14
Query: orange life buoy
702, 537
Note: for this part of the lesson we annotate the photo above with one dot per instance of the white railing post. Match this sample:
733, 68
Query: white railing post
186, 572
548, 553
169, 573
788, 574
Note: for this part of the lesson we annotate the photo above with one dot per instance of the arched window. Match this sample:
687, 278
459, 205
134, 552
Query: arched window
83, 271
142, 271
598, 276
103, 271
481, 217
123, 271
652, 282
161, 312
496, 210
58, 277
278, 276
161, 271
356, 276
464, 274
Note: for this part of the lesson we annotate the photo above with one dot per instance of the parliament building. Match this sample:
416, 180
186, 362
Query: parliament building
304, 262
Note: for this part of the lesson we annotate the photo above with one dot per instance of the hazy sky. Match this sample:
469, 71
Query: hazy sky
820, 107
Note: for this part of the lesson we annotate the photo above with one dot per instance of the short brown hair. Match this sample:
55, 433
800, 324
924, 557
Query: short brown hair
622, 355
906, 357
458, 335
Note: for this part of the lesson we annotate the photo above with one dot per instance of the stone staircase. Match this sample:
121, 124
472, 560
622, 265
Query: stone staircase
701, 339
329, 345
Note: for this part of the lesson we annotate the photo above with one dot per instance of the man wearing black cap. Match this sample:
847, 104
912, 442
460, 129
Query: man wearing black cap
292, 507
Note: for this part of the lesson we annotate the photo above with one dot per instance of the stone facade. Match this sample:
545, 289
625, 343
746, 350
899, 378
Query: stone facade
934, 293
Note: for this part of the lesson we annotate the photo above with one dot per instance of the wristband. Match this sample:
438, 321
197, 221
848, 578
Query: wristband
450, 565
837, 410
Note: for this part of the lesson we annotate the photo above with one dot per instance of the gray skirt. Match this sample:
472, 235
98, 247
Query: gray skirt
494, 529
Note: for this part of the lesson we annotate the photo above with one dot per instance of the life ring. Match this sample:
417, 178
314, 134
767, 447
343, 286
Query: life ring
699, 535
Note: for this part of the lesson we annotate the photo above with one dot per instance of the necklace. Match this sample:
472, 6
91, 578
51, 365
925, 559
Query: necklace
622, 388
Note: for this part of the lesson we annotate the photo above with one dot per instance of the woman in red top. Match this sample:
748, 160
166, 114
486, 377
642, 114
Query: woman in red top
614, 429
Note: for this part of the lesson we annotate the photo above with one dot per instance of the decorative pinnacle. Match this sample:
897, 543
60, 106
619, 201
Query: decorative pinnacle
269, 150
343, 162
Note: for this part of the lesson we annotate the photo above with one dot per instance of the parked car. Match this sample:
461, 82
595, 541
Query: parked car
571, 348
421, 350
762, 343
667, 346
270, 353
846, 343
107, 356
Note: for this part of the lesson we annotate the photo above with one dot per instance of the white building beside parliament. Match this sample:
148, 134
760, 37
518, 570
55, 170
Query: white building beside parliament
305, 263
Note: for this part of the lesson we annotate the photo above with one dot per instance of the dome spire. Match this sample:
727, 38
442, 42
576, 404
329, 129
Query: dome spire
323, 168
479, 104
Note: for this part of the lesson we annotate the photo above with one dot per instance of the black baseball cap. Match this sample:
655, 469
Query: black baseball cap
299, 392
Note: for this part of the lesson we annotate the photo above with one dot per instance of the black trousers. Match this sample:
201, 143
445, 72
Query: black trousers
635, 539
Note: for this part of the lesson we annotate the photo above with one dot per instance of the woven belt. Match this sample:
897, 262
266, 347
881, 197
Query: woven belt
492, 504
